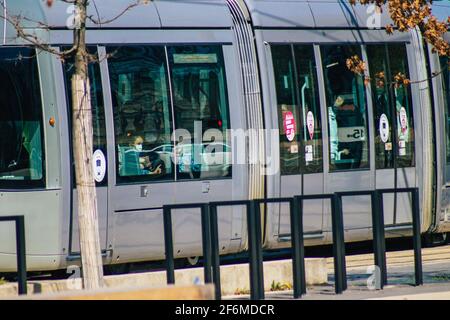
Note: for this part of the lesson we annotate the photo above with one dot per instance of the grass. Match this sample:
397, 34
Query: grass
277, 286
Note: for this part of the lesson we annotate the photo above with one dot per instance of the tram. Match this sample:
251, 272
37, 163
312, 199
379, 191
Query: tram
261, 85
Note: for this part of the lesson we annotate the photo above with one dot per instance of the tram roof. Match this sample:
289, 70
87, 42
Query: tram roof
441, 9
154, 14
311, 14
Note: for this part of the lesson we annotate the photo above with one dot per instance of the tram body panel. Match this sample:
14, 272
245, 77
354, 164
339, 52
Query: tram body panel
272, 179
424, 126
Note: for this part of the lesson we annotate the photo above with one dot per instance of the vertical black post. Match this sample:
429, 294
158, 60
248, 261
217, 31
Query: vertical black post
298, 249
215, 261
206, 243
259, 238
254, 244
379, 245
338, 244
168, 245
21, 254
416, 237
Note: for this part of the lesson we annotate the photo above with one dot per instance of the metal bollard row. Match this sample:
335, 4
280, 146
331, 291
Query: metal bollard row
210, 238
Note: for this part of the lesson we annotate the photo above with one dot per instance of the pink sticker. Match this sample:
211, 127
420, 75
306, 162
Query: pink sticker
289, 125
310, 124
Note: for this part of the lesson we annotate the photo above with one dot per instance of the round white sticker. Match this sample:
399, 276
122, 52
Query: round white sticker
99, 165
403, 119
310, 124
384, 128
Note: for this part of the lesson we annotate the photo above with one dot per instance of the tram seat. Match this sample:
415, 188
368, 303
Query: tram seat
129, 162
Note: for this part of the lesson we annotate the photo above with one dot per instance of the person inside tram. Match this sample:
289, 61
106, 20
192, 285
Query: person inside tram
334, 137
149, 162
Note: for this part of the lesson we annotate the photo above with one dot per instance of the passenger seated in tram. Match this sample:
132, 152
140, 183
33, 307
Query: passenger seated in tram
149, 162
135, 161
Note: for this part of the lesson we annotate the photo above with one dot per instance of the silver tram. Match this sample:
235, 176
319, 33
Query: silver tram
228, 67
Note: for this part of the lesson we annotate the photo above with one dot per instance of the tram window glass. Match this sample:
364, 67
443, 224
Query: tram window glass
284, 70
97, 104
201, 112
347, 112
385, 61
384, 153
403, 105
298, 109
21, 124
142, 115
446, 94
309, 108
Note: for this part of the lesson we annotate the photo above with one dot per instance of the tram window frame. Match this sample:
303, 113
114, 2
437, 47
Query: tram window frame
126, 141
388, 152
96, 87
445, 85
293, 59
29, 57
197, 56
361, 96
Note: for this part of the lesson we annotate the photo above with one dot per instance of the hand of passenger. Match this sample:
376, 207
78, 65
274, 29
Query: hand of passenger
158, 170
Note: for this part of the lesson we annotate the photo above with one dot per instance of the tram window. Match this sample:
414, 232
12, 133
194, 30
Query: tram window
389, 60
142, 117
201, 112
403, 106
298, 109
384, 153
446, 94
347, 112
284, 70
21, 126
97, 104
309, 108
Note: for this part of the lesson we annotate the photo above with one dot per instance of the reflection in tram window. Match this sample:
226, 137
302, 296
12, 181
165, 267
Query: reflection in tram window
201, 110
445, 86
347, 112
142, 117
21, 143
403, 107
97, 105
298, 109
385, 61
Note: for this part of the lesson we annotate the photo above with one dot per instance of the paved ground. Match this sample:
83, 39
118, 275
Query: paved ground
436, 276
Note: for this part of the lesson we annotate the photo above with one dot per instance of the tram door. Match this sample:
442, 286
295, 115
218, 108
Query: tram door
300, 133
144, 173
100, 155
394, 129
203, 150
348, 136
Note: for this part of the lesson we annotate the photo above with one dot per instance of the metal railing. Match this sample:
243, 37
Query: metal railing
20, 251
168, 239
210, 238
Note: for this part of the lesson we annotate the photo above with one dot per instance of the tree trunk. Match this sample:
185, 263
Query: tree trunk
92, 267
